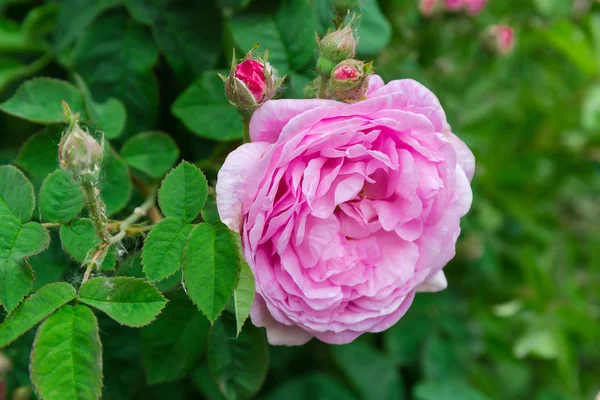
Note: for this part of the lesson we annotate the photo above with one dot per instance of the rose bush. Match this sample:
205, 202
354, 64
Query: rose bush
346, 210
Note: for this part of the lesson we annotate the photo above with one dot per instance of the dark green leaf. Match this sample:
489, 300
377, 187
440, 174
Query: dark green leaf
79, 237
39, 154
183, 192
315, 386
61, 198
66, 360
238, 365
115, 183
163, 248
243, 295
17, 198
49, 265
211, 265
173, 344
153, 153
18, 241
35, 308
446, 390
129, 301
440, 359
375, 31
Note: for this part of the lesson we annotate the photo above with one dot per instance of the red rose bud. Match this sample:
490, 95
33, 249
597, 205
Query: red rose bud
500, 38
335, 47
250, 83
350, 80
429, 7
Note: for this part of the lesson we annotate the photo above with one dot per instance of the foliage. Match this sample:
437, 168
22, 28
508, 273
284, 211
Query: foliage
521, 317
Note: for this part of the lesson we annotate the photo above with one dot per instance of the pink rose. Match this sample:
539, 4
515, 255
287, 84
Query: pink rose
454, 5
346, 210
475, 6
504, 38
252, 74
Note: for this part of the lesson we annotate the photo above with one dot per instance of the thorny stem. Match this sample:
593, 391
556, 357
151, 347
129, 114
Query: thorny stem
96, 208
138, 213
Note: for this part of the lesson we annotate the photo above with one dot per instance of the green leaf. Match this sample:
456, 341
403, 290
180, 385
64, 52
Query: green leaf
173, 344
211, 266
446, 390
110, 116
162, 255
61, 198
316, 386
129, 301
39, 154
35, 308
17, 242
210, 213
183, 192
238, 365
13, 38
540, 343
115, 182
440, 359
49, 265
289, 35
375, 31
79, 237
204, 110
572, 42
205, 384
115, 58
372, 373
153, 153
66, 359
188, 33
39, 100
17, 198
243, 295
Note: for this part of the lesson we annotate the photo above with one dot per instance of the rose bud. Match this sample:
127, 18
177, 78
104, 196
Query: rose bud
335, 47
475, 6
250, 83
500, 39
454, 5
350, 80
428, 7
78, 152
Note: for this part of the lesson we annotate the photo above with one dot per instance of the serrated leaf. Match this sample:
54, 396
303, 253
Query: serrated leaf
173, 344
211, 266
79, 237
39, 100
243, 295
239, 366
17, 197
153, 153
119, 65
18, 241
49, 265
129, 301
446, 390
115, 183
183, 192
39, 154
35, 308
163, 248
110, 116
61, 198
66, 359
204, 110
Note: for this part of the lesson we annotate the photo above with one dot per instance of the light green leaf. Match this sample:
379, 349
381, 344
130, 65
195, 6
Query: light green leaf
572, 42
446, 390
79, 237
12, 69
115, 57
61, 198
110, 116
211, 266
210, 213
539, 343
153, 153
18, 241
39, 154
163, 248
17, 198
15, 39
35, 308
243, 295
204, 110
129, 301
39, 100
183, 192
238, 365
316, 386
375, 31
173, 344
115, 182
66, 359
372, 373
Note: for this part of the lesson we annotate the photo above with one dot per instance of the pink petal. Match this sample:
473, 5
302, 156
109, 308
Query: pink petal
436, 283
277, 334
464, 156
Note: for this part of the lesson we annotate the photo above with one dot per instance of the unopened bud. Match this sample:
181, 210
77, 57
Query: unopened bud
334, 48
500, 39
250, 83
429, 7
78, 152
475, 6
350, 80
454, 5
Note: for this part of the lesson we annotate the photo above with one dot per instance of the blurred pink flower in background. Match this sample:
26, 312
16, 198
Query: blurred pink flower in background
503, 37
475, 6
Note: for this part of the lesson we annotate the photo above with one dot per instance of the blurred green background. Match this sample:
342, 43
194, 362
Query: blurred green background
521, 316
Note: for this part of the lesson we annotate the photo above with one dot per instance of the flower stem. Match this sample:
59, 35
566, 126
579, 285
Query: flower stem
323, 89
246, 130
96, 208
138, 213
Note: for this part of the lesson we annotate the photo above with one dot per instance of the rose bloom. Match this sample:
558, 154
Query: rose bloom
252, 74
346, 210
